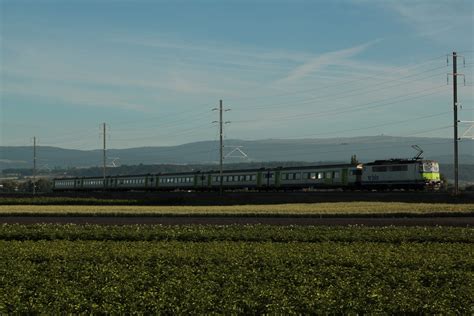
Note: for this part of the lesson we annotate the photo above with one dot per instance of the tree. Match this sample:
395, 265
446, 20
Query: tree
43, 185
9, 186
354, 160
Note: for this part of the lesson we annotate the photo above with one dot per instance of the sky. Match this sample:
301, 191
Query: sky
154, 70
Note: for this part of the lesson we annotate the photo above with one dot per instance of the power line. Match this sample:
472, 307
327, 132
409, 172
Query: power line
372, 126
352, 108
400, 69
338, 95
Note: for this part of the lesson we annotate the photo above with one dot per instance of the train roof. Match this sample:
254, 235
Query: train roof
397, 161
217, 171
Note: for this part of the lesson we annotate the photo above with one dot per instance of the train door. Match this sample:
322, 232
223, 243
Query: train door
259, 179
344, 176
277, 179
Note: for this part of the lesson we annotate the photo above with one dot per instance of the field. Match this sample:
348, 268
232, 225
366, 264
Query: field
52, 269
313, 209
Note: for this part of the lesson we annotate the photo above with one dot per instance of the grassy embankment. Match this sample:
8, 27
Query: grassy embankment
54, 269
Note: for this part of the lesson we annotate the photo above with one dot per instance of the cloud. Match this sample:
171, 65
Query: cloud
429, 18
229, 50
324, 60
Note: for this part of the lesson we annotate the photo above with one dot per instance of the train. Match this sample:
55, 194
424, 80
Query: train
391, 174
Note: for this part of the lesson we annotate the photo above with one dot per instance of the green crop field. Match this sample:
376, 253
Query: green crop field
53, 269
313, 209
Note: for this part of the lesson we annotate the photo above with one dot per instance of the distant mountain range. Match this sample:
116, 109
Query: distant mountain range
311, 150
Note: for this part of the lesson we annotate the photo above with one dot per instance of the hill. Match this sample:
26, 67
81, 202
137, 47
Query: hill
309, 150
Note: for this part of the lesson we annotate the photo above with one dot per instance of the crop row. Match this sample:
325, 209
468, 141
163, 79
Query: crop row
244, 233
59, 277
64, 201
312, 209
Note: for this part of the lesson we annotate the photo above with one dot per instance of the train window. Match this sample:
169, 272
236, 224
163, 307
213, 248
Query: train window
297, 176
336, 174
379, 169
320, 175
430, 166
399, 168
328, 175
312, 175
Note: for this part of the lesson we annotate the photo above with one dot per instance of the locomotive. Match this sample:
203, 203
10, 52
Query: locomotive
389, 174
